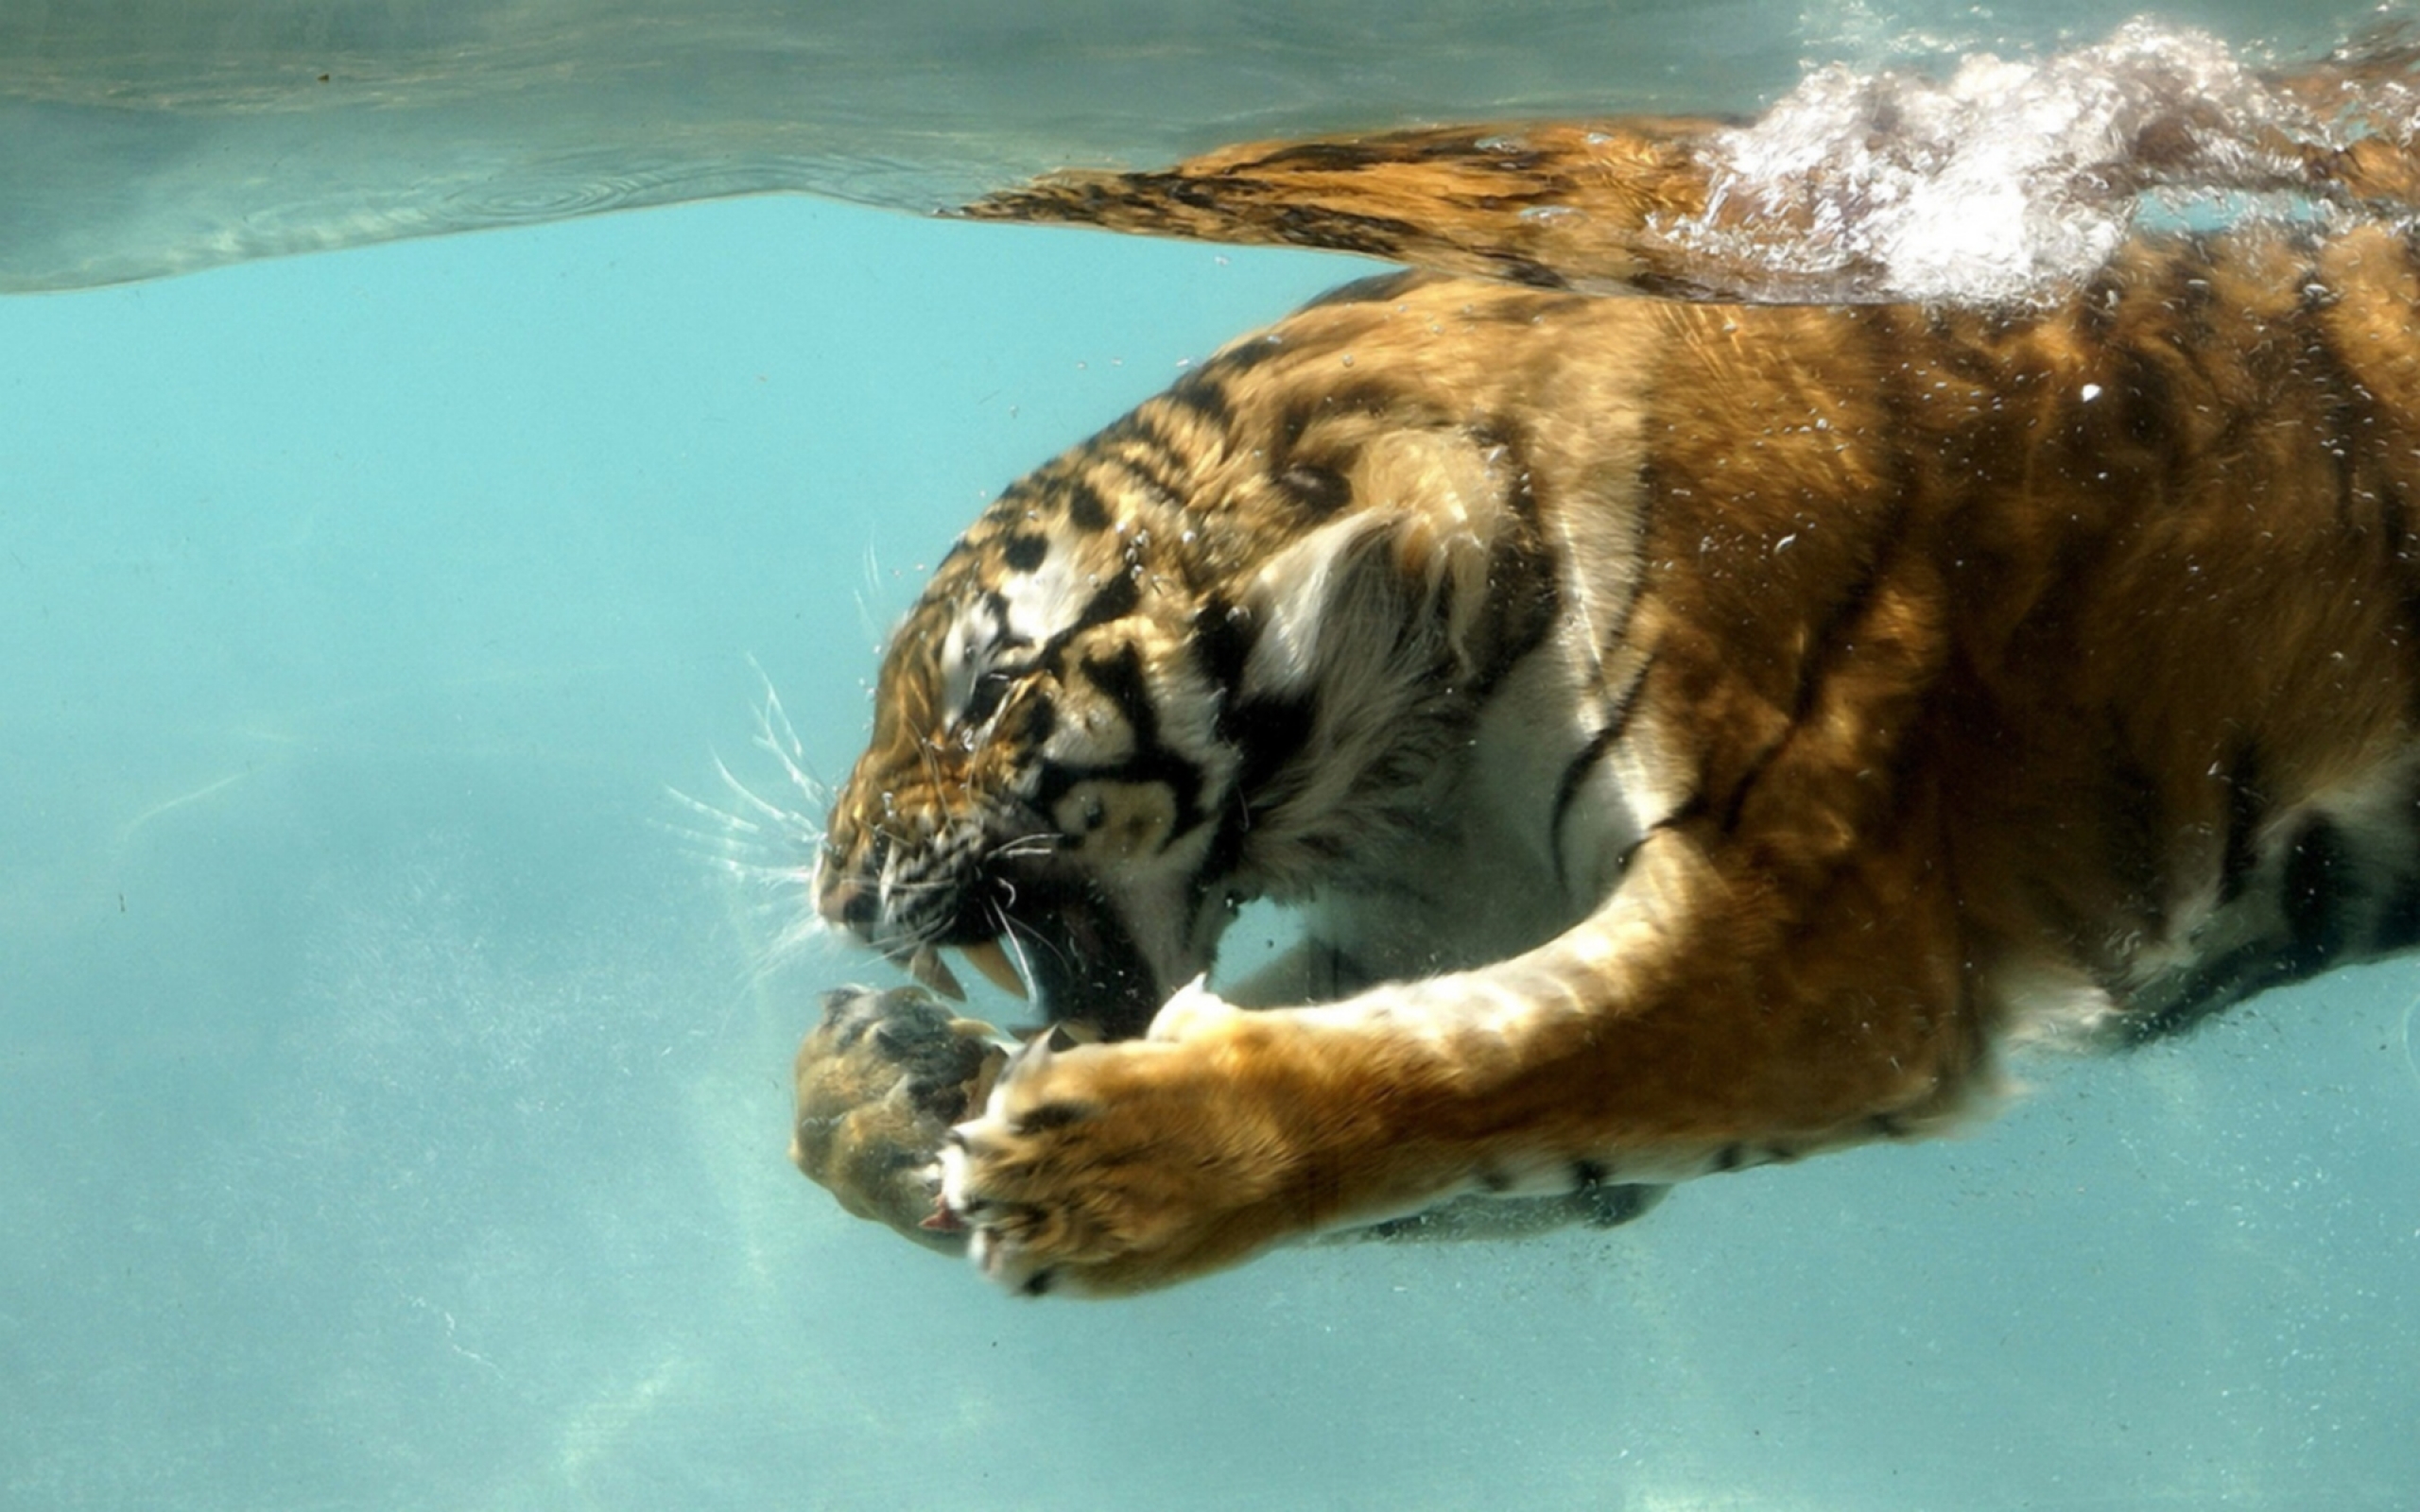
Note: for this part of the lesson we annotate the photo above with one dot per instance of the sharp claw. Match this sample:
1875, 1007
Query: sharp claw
927, 967
989, 959
1034, 1057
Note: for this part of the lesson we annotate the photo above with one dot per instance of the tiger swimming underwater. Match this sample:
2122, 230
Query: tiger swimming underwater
1696, 736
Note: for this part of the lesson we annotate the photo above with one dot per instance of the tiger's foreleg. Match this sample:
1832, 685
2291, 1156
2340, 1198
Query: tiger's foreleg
1317, 971
1720, 1011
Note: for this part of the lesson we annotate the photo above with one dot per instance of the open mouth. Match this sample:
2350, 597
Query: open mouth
1064, 949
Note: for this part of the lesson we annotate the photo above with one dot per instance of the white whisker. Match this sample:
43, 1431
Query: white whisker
770, 843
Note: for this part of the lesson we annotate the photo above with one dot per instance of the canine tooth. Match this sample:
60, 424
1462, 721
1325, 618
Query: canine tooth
925, 967
996, 966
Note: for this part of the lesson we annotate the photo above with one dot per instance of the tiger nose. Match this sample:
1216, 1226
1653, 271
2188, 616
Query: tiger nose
847, 902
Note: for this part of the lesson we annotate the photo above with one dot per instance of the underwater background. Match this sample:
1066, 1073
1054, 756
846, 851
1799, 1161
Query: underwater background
393, 1091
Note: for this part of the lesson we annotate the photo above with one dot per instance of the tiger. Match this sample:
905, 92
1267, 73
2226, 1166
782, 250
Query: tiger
1695, 736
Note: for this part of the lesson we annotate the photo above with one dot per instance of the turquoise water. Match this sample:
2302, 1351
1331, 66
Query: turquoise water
392, 1108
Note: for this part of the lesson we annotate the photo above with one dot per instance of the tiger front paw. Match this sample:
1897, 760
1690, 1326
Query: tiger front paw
1105, 1169
880, 1080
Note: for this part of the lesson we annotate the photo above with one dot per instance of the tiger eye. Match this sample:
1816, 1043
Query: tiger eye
1320, 491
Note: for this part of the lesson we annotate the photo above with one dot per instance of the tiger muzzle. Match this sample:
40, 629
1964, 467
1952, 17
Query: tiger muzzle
1031, 932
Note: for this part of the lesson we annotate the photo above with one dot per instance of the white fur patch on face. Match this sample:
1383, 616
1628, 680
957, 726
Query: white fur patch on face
967, 653
1044, 602
991, 629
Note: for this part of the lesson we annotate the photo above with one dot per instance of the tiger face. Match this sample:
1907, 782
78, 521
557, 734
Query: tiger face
1213, 655
1050, 780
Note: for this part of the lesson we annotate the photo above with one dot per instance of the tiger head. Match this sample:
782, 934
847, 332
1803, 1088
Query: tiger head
1202, 658
1047, 772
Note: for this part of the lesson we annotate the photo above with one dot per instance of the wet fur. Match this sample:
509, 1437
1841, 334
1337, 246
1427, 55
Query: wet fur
1699, 735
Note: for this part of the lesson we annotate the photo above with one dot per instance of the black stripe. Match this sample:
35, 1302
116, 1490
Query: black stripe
1114, 599
1691, 809
1375, 289
2244, 973
1735, 804
1527, 271
1086, 510
1524, 584
1270, 733
1566, 790
1146, 430
1331, 157
1344, 231
2134, 834
998, 637
2143, 399
2246, 812
2399, 924
1832, 637
2205, 990
1150, 470
1040, 717
1203, 396
1119, 677
1242, 358
1833, 640
1221, 637
2317, 894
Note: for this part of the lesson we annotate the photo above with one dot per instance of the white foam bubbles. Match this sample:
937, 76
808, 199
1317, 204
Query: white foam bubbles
2008, 178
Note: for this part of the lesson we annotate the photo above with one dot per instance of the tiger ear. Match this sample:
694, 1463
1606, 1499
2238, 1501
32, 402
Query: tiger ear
1452, 496
1408, 557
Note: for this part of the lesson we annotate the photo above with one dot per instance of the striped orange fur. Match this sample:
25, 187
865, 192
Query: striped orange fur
1697, 735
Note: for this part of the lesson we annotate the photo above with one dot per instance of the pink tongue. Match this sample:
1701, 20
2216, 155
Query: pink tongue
942, 1221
